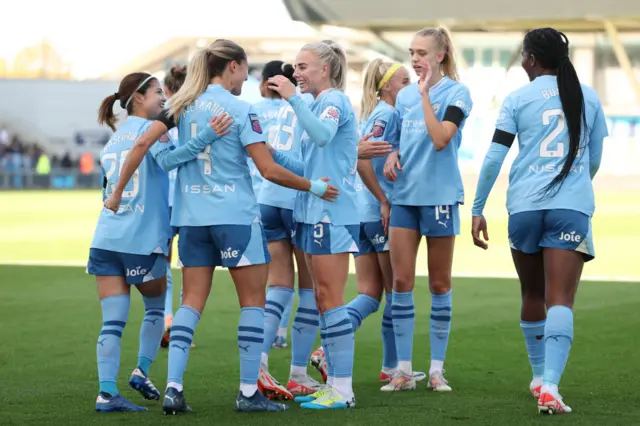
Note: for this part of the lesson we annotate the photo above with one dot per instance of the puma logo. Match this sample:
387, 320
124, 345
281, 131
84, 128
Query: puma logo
184, 349
153, 322
101, 342
245, 348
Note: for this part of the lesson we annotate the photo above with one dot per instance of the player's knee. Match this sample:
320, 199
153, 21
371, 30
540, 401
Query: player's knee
375, 293
403, 282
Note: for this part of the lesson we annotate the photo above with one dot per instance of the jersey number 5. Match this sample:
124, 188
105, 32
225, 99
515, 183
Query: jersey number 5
205, 155
135, 179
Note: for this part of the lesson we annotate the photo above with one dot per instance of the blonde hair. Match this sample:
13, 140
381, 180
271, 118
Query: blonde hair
443, 40
330, 53
206, 64
372, 78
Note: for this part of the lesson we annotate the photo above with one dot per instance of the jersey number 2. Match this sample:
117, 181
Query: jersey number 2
135, 179
560, 126
205, 155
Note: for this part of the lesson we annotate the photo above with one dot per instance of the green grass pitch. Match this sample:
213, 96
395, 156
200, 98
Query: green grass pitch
51, 317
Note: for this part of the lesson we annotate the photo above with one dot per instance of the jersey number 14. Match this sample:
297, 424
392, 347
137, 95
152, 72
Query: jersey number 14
205, 155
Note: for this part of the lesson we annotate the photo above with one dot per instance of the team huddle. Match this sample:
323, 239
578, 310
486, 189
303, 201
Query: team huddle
298, 183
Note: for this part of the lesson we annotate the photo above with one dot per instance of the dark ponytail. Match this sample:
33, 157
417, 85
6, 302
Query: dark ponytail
137, 82
273, 68
551, 49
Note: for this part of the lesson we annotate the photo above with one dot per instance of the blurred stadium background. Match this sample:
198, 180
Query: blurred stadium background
55, 71
49, 138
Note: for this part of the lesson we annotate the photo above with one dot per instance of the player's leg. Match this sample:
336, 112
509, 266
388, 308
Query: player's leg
525, 230
404, 237
280, 342
247, 257
168, 303
113, 293
303, 334
199, 256
368, 278
567, 244
153, 294
440, 224
329, 261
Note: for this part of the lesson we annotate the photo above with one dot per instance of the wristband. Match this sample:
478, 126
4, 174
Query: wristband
318, 188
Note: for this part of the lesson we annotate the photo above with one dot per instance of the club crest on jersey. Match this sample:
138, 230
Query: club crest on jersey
331, 113
378, 128
255, 123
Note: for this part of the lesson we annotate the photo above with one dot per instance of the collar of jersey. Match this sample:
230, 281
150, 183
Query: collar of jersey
216, 86
438, 85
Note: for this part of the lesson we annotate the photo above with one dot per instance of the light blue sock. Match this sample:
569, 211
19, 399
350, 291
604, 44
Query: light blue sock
277, 299
305, 328
284, 321
339, 337
558, 336
534, 340
325, 346
389, 356
115, 313
182, 330
360, 308
440, 325
250, 343
168, 301
403, 316
151, 330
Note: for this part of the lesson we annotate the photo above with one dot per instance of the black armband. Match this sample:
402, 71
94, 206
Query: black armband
166, 119
454, 115
503, 138
104, 182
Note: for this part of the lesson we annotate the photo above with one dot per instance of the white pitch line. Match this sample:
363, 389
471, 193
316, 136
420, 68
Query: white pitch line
510, 275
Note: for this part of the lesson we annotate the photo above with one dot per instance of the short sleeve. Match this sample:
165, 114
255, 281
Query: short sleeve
166, 119
380, 125
507, 117
251, 131
462, 100
599, 130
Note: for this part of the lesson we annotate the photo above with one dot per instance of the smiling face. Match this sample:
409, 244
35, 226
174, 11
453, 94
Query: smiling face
238, 73
425, 49
397, 82
311, 74
151, 103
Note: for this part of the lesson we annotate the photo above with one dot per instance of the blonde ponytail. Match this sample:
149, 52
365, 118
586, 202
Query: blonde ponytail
373, 77
196, 82
443, 39
205, 64
330, 53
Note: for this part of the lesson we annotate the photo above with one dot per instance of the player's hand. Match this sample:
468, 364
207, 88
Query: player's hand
390, 166
282, 85
478, 225
425, 78
372, 149
221, 124
330, 193
385, 212
113, 202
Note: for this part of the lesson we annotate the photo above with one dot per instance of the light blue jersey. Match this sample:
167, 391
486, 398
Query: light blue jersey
408, 97
141, 225
329, 149
430, 177
267, 110
534, 113
287, 134
173, 139
384, 123
216, 189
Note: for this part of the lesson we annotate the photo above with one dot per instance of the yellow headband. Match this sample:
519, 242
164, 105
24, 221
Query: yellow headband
387, 75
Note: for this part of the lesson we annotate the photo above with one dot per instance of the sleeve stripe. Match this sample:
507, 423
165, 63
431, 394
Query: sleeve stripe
454, 114
503, 138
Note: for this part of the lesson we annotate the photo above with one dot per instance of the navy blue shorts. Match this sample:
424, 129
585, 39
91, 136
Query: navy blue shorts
372, 238
430, 221
230, 246
530, 232
278, 223
135, 268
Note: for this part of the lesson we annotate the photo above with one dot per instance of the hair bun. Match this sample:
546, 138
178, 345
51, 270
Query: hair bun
179, 71
287, 70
